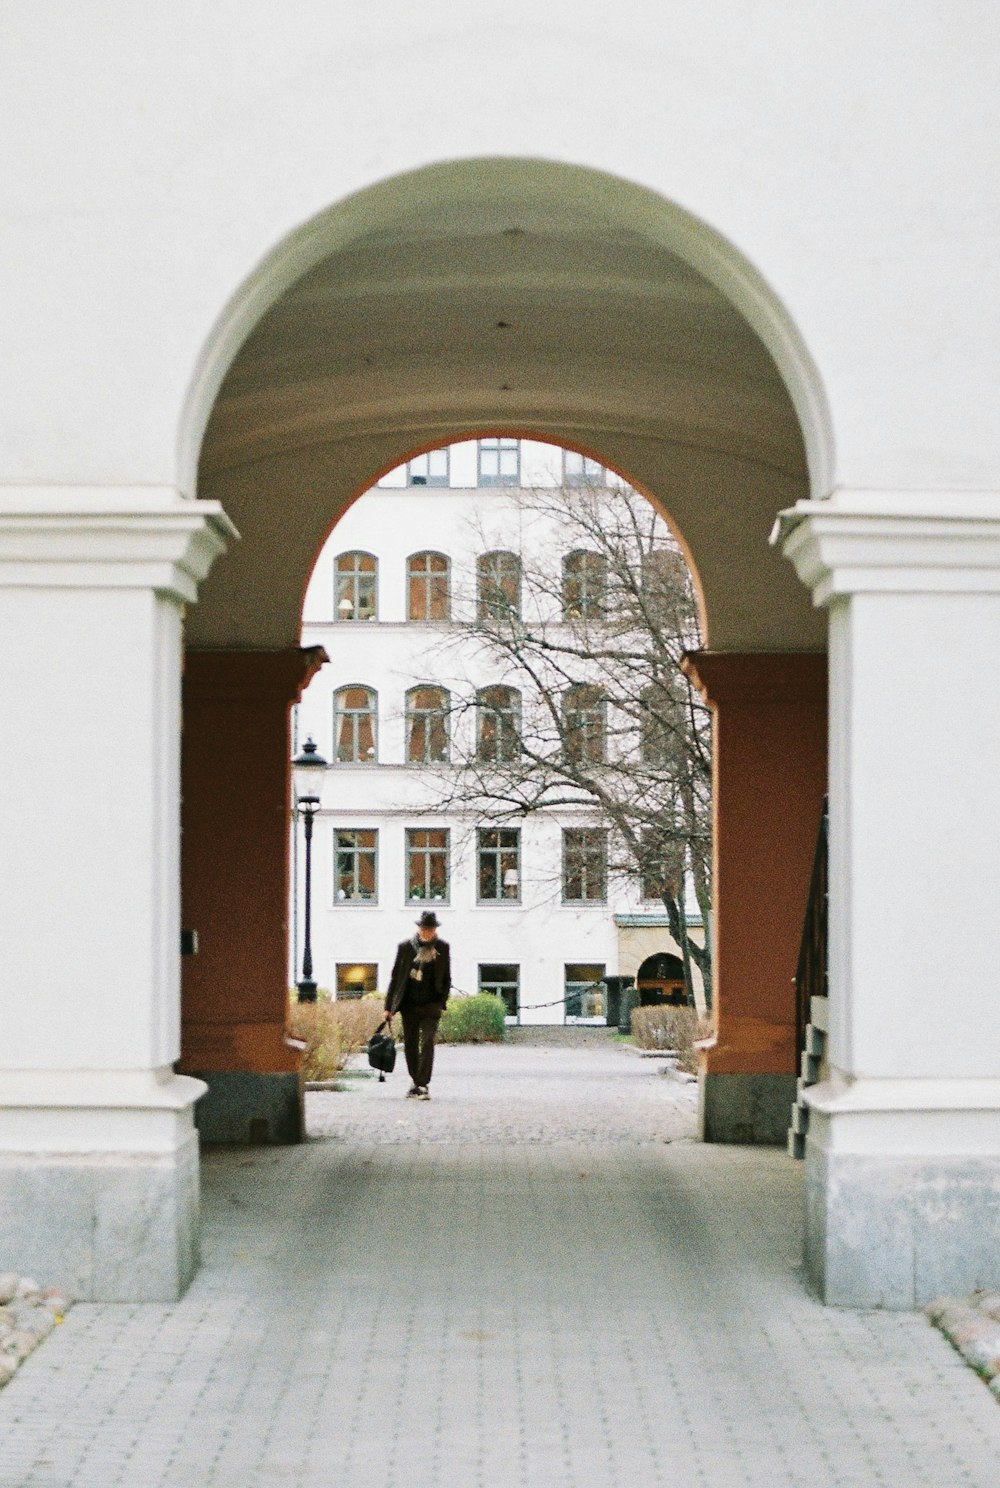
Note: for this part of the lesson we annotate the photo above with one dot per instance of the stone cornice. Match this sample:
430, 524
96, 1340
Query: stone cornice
109, 538
894, 542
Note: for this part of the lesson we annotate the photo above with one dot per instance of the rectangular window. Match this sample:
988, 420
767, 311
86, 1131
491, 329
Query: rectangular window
356, 979
499, 462
585, 865
585, 992
427, 865
503, 981
581, 470
428, 470
499, 865
661, 865
356, 857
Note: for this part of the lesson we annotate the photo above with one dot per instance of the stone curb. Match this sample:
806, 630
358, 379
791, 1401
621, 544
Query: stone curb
27, 1316
649, 1053
972, 1326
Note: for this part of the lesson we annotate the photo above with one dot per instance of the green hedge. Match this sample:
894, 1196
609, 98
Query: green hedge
480, 1019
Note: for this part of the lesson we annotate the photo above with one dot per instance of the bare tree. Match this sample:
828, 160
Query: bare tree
590, 707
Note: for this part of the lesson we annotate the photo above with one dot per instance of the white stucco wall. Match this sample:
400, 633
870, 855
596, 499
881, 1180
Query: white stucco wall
156, 155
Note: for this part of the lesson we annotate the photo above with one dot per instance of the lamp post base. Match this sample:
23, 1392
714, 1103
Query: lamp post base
306, 991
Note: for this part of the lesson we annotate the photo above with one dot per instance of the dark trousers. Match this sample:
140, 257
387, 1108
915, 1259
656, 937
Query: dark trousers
420, 1026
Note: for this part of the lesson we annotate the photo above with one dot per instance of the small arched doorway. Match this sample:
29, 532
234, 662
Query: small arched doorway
660, 981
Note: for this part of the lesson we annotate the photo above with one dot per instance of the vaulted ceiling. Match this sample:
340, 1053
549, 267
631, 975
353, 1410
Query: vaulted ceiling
516, 314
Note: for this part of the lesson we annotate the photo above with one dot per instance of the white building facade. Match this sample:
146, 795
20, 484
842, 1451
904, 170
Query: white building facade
249, 267
528, 905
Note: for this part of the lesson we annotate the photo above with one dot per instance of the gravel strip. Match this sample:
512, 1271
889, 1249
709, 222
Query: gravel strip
27, 1315
972, 1325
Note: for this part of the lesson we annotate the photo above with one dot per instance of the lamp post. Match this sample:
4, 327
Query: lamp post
307, 777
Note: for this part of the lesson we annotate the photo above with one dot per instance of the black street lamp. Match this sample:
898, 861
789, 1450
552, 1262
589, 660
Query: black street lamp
307, 777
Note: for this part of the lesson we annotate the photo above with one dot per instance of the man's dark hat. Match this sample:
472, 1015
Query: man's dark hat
428, 920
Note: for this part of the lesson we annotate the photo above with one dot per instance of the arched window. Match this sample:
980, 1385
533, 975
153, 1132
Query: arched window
498, 724
661, 725
356, 589
427, 741
498, 586
355, 725
584, 586
428, 587
584, 724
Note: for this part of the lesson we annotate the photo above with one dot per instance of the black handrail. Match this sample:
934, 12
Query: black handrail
811, 978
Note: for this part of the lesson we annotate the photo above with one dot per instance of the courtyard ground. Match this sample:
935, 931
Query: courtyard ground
536, 1280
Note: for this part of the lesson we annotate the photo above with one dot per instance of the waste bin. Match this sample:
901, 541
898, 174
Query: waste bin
618, 989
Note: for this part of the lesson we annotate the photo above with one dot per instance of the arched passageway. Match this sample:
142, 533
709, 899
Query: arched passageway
516, 298
507, 295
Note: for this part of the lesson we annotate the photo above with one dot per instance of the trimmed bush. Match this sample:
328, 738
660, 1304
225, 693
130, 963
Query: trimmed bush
479, 1019
667, 1027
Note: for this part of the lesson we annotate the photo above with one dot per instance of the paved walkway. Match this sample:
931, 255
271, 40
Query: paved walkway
488, 1292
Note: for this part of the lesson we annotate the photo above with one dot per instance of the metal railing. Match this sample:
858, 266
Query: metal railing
811, 978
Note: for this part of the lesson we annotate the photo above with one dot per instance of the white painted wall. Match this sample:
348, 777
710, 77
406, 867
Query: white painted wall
847, 151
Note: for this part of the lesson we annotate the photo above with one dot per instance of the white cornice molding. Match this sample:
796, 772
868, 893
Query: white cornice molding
894, 542
57, 537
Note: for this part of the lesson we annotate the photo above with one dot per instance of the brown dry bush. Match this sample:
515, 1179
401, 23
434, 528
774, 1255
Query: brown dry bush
667, 1027
358, 1019
317, 1025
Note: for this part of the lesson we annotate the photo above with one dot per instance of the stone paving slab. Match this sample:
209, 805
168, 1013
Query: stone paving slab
499, 1297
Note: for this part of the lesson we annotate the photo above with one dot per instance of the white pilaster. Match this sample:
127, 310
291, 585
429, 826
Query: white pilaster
98, 1156
903, 1151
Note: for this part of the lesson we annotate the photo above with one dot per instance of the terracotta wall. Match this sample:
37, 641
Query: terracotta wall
770, 777
235, 856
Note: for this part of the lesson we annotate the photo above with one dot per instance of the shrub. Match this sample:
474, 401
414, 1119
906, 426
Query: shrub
358, 1019
667, 1027
479, 1019
316, 1024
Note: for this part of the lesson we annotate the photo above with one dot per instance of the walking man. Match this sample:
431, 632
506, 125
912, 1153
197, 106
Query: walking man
418, 989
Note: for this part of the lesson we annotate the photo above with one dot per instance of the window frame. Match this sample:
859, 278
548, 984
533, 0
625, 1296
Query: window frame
490, 984
497, 852
505, 731
498, 605
582, 987
590, 473
591, 606
427, 477
578, 739
340, 996
356, 576
426, 577
341, 715
581, 832
427, 850
499, 446
356, 852
412, 714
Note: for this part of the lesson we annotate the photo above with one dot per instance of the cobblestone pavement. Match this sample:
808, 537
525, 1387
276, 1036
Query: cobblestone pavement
485, 1292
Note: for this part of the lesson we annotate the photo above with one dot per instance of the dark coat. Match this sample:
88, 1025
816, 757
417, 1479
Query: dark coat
435, 987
